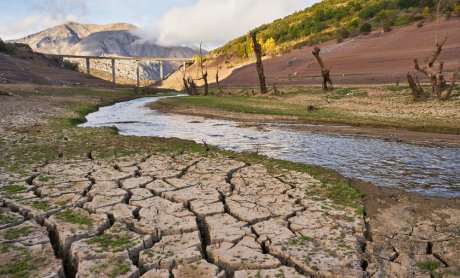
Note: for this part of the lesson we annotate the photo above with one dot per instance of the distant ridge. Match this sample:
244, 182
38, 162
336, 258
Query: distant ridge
110, 39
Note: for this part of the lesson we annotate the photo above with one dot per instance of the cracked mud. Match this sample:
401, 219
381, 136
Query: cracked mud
191, 216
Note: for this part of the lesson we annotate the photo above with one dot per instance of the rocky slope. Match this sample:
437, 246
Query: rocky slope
111, 39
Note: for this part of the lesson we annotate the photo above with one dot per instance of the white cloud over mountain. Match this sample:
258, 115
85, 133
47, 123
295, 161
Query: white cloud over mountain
215, 22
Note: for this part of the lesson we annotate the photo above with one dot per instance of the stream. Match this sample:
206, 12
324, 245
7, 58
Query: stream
428, 170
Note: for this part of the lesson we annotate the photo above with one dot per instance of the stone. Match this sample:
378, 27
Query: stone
246, 254
171, 251
9, 218
74, 224
136, 182
118, 241
160, 217
30, 261
201, 269
156, 273
28, 233
283, 271
110, 266
225, 228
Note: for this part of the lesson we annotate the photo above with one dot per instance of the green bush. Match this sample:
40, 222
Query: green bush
6, 47
365, 27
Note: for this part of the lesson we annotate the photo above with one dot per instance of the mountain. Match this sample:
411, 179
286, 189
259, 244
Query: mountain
112, 39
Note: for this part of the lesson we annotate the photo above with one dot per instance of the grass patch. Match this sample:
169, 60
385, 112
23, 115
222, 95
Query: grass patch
15, 233
40, 205
397, 88
13, 188
22, 266
112, 243
5, 219
120, 269
428, 265
71, 217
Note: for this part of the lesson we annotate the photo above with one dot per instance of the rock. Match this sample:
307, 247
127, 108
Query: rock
119, 212
140, 194
136, 182
201, 269
76, 187
74, 224
9, 218
171, 251
28, 234
156, 273
159, 186
246, 254
283, 271
225, 228
111, 266
160, 217
116, 241
29, 261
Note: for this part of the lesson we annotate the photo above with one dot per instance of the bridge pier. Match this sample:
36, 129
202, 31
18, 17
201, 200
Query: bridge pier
185, 66
138, 75
88, 70
161, 71
113, 71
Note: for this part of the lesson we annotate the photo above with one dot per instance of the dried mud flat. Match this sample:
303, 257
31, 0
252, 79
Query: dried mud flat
194, 216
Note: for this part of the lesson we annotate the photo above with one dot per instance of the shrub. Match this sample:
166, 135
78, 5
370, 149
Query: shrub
354, 33
365, 27
343, 32
6, 47
339, 38
426, 12
420, 24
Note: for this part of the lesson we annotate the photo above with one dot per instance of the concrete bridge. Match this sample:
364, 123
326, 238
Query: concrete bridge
115, 58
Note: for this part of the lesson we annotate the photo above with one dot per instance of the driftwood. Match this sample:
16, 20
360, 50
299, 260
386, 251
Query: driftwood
259, 64
439, 86
325, 72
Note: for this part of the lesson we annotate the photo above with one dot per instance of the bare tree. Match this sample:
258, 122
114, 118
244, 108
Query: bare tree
439, 86
324, 71
221, 92
259, 64
204, 72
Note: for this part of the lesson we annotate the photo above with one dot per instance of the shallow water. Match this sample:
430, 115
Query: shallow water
430, 170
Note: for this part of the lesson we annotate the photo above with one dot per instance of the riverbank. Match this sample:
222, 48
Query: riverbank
93, 181
384, 112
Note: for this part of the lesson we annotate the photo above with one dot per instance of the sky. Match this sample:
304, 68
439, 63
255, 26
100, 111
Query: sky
166, 22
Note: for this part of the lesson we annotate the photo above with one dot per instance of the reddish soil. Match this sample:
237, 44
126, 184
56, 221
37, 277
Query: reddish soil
26, 66
378, 57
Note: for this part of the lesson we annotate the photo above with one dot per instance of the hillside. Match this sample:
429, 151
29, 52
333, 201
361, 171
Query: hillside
111, 39
336, 19
19, 64
374, 57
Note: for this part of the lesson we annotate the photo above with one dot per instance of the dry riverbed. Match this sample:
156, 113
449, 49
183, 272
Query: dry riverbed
89, 203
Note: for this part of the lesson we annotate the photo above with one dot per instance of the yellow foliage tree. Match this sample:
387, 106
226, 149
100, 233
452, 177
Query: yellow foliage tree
426, 12
269, 46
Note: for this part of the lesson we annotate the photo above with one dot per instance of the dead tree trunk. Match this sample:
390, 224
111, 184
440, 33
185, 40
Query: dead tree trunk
190, 86
259, 64
221, 92
417, 91
204, 73
324, 71
439, 86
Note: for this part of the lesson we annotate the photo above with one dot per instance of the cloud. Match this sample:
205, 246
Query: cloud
215, 22
60, 9
46, 13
